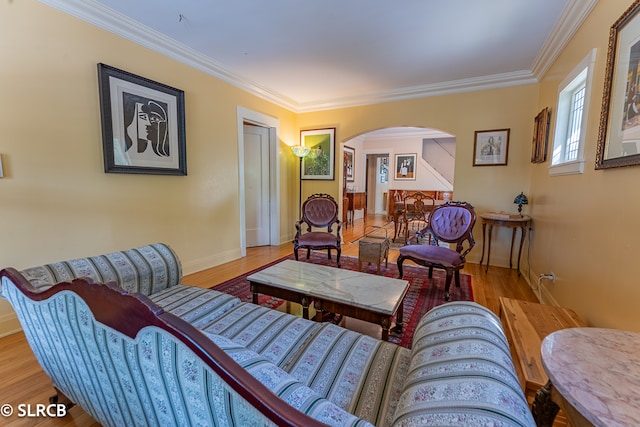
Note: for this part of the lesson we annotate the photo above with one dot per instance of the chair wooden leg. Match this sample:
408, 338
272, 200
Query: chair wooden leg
328, 253
295, 252
308, 253
457, 276
430, 272
447, 285
338, 251
399, 262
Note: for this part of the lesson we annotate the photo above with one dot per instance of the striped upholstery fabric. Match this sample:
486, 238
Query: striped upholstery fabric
360, 374
154, 380
285, 386
461, 372
146, 269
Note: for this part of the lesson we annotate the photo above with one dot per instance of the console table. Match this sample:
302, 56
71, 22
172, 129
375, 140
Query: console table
491, 219
594, 376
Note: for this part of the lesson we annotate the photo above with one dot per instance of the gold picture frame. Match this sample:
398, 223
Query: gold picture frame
619, 133
540, 136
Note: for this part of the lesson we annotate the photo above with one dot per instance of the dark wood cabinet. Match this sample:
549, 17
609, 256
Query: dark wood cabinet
356, 201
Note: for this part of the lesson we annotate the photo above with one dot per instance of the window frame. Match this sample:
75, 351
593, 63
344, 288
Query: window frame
581, 75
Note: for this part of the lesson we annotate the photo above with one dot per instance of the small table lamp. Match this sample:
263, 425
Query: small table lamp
520, 200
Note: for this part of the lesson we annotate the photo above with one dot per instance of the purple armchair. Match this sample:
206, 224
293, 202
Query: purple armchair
451, 222
319, 211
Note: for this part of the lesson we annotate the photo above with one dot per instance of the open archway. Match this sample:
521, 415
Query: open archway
397, 158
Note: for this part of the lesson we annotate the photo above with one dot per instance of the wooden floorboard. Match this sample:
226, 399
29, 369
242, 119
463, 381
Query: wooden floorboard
24, 382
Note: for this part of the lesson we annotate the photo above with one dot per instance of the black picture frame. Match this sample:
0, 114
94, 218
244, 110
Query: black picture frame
143, 124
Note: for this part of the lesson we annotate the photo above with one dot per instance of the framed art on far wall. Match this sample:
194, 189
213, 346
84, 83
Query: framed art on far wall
491, 147
318, 164
143, 124
350, 159
406, 167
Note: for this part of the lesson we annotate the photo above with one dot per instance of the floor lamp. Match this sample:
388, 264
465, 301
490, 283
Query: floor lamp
301, 152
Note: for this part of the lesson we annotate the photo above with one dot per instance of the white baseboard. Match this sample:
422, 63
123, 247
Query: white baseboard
211, 261
9, 324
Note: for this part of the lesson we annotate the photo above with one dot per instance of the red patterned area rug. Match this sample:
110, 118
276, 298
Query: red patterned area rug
423, 293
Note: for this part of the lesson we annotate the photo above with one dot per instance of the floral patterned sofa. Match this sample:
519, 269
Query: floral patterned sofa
147, 350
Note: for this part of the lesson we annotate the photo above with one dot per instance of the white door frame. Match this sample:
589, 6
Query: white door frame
246, 115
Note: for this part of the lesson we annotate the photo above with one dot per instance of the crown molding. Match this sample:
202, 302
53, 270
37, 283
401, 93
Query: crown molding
96, 14
455, 86
573, 16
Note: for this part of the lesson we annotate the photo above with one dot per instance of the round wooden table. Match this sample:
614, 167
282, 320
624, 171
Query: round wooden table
491, 219
594, 376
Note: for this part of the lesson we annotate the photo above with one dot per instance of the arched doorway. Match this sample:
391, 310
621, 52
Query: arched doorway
378, 163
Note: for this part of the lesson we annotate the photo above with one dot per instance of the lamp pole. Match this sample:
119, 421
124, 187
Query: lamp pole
300, 152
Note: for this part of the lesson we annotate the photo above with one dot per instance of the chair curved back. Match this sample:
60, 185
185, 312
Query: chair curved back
417, 210
453, 222
320, 210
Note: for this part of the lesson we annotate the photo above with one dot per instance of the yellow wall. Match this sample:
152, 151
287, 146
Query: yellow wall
585, 225
57, 203
487, 188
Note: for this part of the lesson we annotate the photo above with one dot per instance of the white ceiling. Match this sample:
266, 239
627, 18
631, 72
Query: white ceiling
310, 55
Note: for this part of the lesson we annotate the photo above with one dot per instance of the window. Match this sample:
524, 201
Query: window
567, 156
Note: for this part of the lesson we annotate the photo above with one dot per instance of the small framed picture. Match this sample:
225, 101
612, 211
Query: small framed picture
143, 124
491, 147
318, 164
406, 167
349, 160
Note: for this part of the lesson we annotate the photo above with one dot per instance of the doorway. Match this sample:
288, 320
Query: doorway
269, 177
256, 184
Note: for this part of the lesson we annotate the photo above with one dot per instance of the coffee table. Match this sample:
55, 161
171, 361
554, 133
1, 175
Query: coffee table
362, 296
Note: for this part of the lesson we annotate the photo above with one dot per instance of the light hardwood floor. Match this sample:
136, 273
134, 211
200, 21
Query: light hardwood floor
22, 381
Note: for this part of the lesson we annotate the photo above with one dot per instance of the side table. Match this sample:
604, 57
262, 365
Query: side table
594, 376
491, 219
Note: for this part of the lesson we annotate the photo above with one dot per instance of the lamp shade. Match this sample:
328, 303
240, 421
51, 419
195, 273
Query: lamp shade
521, 199
300, 150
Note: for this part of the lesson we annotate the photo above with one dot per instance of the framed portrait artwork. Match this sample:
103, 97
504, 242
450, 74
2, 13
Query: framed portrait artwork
406, 167
350, 159
143, 124
540, 136
619, 133
319, 163
491, 147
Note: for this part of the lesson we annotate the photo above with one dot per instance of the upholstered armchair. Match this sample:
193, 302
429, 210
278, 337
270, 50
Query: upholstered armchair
319, 227
451, 223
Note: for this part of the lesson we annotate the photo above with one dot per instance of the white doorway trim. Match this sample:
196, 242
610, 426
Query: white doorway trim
246, 115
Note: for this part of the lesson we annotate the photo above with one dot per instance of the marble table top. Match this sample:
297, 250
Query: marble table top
597, 371
368, 291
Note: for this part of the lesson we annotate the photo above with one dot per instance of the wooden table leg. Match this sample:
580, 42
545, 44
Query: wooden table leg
484, 241
544, 409
489, 247
513, 237
523, 233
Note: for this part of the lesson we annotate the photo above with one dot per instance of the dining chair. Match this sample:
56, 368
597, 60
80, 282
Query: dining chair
415, 214
451, 222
